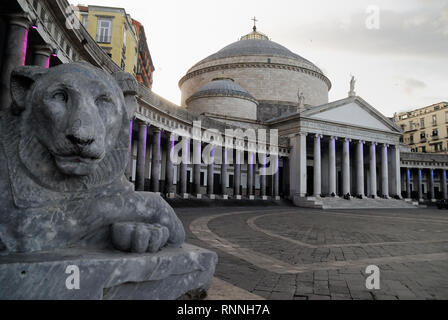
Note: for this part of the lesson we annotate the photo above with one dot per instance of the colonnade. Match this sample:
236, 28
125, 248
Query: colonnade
231, 162
359, 178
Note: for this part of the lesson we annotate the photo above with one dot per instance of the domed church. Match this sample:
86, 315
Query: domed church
336, 151
253, 79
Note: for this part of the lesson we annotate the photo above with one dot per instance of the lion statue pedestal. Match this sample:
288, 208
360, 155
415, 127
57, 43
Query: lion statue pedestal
71, 225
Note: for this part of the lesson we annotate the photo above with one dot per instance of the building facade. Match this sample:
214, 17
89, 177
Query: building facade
426, 129
121, 37
145, 66
325, 151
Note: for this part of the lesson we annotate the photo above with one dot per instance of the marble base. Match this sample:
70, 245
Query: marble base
251, 197
238, 197
225, 197
108, 275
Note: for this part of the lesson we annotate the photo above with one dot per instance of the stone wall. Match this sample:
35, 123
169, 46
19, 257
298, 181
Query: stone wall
226, 106
264, 83
273, 109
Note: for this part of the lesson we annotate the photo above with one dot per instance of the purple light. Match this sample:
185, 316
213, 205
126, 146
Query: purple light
409, 174
47, 63
24, 46
34, 27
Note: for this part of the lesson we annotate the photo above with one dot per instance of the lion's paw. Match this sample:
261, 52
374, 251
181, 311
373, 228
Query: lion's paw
139, 237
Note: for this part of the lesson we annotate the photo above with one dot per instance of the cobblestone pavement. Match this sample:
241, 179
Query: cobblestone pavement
293, 253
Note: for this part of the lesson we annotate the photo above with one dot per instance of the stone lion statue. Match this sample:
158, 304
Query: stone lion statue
63, 151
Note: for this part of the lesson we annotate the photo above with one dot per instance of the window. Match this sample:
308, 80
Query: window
446, 116
411, 138
403, 127
423, 149
422, 123
84, 18
422, 136
104, 30
434, 120
411, 125
435, 133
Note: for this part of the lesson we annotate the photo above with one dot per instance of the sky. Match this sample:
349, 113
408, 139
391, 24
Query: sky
397, 50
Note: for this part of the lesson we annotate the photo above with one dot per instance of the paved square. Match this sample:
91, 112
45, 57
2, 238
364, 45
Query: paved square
294, 253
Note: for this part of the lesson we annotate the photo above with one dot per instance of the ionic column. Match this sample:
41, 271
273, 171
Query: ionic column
262, 168
384, 172
141, 157
444, 187
420, 187
250, 174
210, 172
432, 196
237, 174
183, 165
169, 168
276, 179
317, 166
224, 172
372, 168
297, 167
285, 184
332, 165
129, 166
360, 168
156, 160
346, 166
41, 56
197, 150
394, 171
408, 183
14, 54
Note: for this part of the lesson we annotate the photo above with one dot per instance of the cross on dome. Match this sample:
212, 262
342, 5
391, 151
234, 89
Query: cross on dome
254, 19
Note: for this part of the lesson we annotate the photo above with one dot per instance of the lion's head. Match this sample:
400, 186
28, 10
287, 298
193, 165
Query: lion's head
74, 119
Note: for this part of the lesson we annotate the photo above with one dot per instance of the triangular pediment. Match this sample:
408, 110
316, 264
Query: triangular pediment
352, 111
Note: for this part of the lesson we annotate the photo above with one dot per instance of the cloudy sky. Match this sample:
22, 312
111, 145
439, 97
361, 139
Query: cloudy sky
397, 50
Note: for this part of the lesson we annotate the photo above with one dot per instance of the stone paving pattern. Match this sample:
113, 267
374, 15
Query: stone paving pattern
329, 238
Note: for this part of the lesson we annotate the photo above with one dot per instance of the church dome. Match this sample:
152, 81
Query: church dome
222, 97
269, 72
221, 87
257, 44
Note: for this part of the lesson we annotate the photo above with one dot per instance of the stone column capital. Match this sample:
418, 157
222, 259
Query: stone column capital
44, 50
318, 135
373, 143
21, 20
361, 142
347, 140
